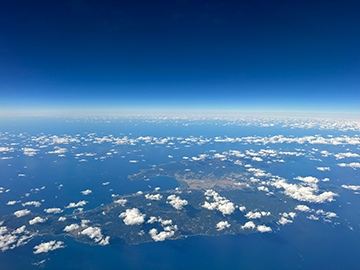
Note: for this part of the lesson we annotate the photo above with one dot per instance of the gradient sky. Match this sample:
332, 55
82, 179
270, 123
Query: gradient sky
186, 54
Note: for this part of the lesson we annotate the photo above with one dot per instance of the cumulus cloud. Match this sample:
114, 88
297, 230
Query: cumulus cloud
323, 168
252, 215
86, 192
12, 202
353, 165
37, 220
93, 233
303, 208
263, 228
121, 202
222, 204
78, 204
161, 236
10, 239
48, 246
62, 219
21, 213
344, 155
285, 218
152, 219
71, 227
132, 217
352, 187
176, 202
255, 215
153, 197
306, 191
222, 225
53, 210
248, 225
29, 151
58, 150
34, 203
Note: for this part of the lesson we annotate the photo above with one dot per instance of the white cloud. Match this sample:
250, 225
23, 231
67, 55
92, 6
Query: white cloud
132, 217
14, 238
29, 151
53, 210
105, 183
176, 202
249, 225
78, 204
306, 191
58, 150
153, 197
262, 188
344, 155
71, 227
160, 236
222, 204
352, 187
34, 203
48, 246
152, 219
62, 219
105, 241
121, 202
284, 221
12, 202
302, 208
133, 161
255, 215
6, 149
312, 217
222, 225
323, 168
86, 192
21, 213
353, 165
263, 228
37, 220
93, 233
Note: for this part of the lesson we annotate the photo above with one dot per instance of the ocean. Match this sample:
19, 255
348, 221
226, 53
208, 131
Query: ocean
303, 244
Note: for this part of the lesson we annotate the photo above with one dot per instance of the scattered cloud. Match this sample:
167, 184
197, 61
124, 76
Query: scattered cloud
263, 228
86, 192
71, 227
323, 168
219, 203
34, 203
160, 236
176, 202
153, 197
249, 225
37, 220
21, 213
53, 210
48, 246
222, 225
352, 187
132, 217
78, 204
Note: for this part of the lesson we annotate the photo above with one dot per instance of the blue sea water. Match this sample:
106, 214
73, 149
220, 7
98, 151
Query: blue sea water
304, 244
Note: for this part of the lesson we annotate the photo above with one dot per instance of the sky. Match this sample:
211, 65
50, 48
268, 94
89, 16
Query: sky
180, 55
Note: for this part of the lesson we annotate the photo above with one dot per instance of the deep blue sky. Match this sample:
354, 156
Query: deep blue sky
186, 54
